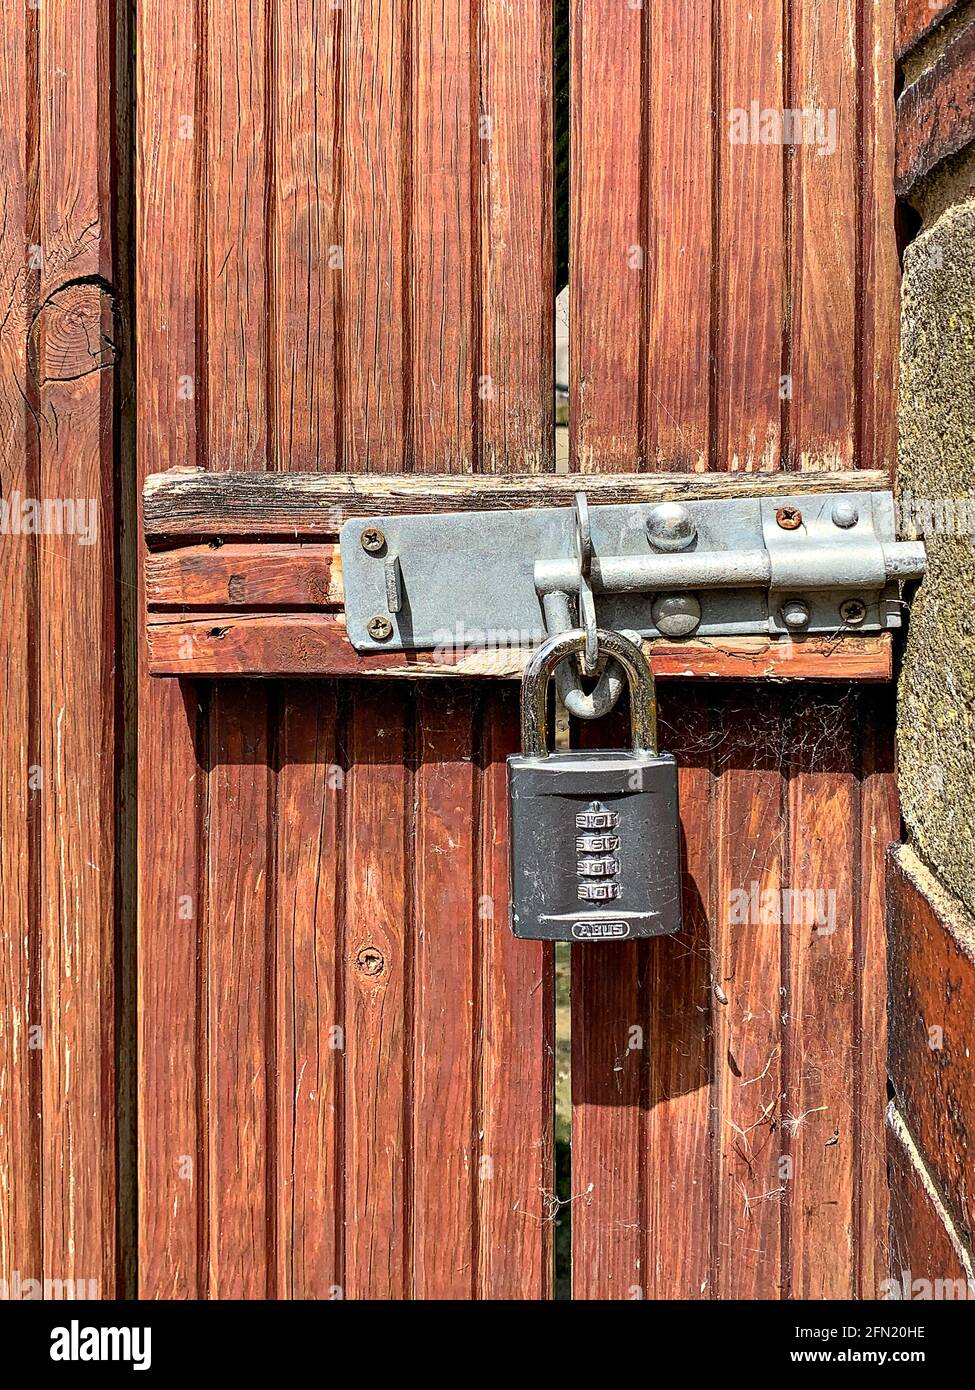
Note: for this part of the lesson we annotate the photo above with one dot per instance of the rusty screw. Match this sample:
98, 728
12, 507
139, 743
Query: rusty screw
853, 611
379, 628
372, 539
789, 518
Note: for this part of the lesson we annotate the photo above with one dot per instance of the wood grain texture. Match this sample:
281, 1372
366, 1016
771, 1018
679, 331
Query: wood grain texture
915, 19
927, 1257
936, 113
932, 980
265, 644
185, 503
787, 271
20, 973
172, 779
345, 285
71, 355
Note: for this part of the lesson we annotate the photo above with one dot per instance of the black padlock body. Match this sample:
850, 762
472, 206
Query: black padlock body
595, 846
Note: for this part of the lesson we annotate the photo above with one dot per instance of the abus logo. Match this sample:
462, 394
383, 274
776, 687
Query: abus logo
600, 931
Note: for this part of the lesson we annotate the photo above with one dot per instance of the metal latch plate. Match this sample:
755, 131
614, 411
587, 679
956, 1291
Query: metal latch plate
467, 580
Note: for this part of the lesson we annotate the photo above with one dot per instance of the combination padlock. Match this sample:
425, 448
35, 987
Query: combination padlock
595, 837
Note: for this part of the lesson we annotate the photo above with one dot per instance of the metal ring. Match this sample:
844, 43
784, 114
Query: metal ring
583, 535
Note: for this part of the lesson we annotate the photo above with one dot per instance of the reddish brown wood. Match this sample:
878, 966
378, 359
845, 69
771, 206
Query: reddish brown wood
749, 297
515, 1175
172, 734
309, 1036
71, 357
823, 193
377, 946
679, 234
800, 282
820, 1065
916, 18
880, 826
315, 195
445, 1154
20, 973
922, 1247
936, 113
245, 576
932, 993
309, 644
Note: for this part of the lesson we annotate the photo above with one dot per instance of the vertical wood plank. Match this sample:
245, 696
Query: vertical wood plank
241, 433
310, 1037
171, 141
516, 386
378, 835
446, 946
610, 1027
307, 254
825, 225
747, 1005
238, 970
72, 355
679, 1046
607, 248
515, 1175
680, 158
823, 878
20, 1135
880, 826
446, 302
879, 279
750, 236
376, 252
239, 158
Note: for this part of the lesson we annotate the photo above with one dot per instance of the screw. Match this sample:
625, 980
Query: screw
670, 527
676, 615
853, 611
795, 613
789, 518
845, 514
379, 628
372, 539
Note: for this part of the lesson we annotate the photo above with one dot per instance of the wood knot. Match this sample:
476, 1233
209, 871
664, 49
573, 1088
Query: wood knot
370, 961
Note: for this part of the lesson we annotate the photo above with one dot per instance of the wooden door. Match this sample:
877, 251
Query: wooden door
345, 233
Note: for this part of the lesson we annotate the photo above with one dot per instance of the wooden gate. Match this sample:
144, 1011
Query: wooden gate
344, 219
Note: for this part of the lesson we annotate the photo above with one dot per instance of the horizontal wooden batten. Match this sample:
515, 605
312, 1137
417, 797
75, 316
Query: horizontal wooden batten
315, 644
274, 575
194, 503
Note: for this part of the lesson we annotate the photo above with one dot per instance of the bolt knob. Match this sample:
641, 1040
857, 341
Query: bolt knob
670, 527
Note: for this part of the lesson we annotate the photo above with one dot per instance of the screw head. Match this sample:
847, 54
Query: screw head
372, 539
670, 527
789, 518
795, 613
845, 514
379, 628
676, 615
853, 611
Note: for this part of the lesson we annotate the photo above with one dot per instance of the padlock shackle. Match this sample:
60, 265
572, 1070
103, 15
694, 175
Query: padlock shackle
538, 672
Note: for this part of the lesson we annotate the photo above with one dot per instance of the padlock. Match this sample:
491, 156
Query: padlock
595, 836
